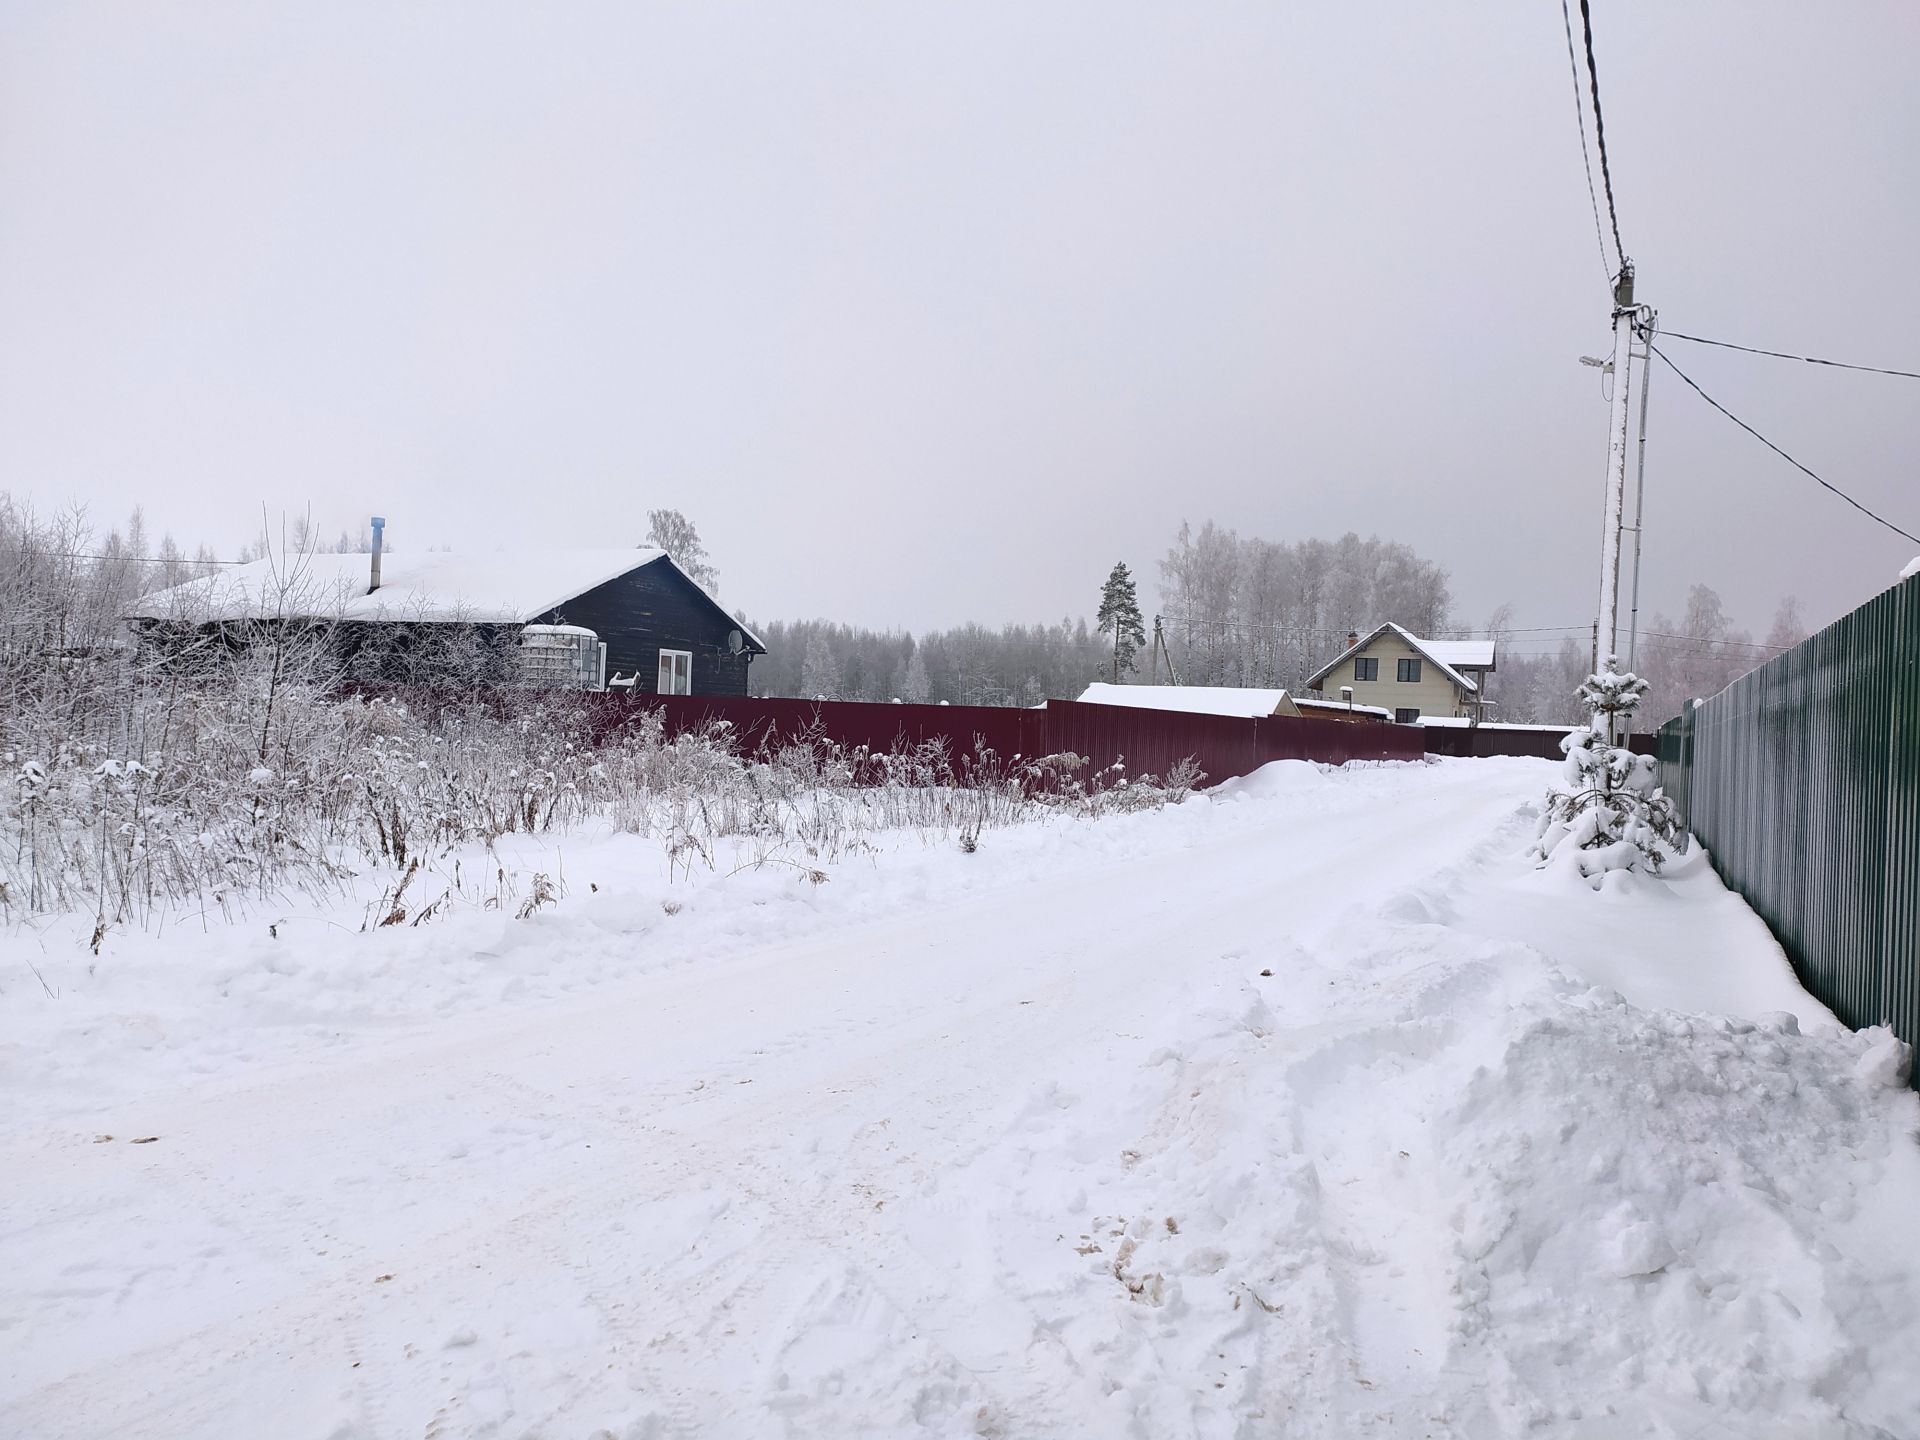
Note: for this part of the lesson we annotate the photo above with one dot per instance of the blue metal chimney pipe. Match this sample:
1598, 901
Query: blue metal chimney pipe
379, 525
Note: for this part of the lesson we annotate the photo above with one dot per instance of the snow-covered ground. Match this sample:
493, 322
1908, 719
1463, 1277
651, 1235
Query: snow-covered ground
1304, 1108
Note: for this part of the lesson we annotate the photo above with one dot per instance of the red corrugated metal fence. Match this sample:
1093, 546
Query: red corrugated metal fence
1140, 742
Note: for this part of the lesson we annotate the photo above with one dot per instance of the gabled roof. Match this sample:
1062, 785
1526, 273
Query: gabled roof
1432, 649
507, 587
1462, 654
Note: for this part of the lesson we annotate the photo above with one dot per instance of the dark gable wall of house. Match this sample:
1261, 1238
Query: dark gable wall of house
655, 608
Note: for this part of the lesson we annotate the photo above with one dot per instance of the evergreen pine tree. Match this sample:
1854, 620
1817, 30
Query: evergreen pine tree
1120, 614
1608, 808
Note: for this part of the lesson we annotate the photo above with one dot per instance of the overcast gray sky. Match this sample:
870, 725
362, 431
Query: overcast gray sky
931, 313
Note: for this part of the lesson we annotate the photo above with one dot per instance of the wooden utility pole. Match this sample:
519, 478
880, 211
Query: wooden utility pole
1160, 648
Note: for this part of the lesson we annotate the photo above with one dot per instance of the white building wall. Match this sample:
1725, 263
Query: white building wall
1433, 694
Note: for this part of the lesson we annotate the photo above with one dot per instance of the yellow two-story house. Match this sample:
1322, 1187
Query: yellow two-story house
1408, 676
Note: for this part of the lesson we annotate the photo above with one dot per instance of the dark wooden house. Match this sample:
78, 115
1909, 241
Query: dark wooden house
586, 619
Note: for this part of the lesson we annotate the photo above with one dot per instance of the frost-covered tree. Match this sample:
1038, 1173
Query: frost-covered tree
1256, 612
672, 532
1200, 586
917, 689
1119, 616
1787, 630
355, 542
1552, 684
1698, 655
820, 675
969, 664
1607, 812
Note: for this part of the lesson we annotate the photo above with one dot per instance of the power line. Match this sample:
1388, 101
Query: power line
1336, 632
1825, 484
1709, 640
1667, 635
1600, 130
1523, 630
1586, 160
1568, 631
1783, 355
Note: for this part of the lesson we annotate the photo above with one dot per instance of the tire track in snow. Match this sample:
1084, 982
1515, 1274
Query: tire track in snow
951, 1048
1356, 1306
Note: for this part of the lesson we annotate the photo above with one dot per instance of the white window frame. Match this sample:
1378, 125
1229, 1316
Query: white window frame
675, 668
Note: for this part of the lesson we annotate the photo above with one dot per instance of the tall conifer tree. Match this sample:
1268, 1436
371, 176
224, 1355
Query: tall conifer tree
1120, 614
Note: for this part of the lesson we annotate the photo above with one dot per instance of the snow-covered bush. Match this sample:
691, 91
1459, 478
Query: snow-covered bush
1607, 812
158, 794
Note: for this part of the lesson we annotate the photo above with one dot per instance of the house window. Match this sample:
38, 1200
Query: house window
1367, 668
1406, 717
1408, 671
676, 673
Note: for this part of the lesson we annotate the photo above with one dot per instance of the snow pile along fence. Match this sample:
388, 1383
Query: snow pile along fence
1802, 778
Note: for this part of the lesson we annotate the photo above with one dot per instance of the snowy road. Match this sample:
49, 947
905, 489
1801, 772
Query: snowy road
1049, 1154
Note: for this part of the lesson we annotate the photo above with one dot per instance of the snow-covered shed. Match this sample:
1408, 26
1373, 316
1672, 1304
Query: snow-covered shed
591, 619
1232, 700
1410, 676
1192, 699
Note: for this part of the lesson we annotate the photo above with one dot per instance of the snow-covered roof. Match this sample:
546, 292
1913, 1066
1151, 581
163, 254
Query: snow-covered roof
506, 587
1444, 653
1461, 654
1458, 722
1188, 699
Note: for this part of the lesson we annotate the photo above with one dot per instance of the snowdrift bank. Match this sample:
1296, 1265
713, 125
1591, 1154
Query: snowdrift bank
1429, 1181
213, 998
1306, 1111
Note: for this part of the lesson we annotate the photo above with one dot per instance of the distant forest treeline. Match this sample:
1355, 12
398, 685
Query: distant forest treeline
1235, 612
1246, 611
967, 665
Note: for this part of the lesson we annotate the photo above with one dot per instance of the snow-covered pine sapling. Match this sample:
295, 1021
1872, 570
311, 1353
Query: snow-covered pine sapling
1607, 812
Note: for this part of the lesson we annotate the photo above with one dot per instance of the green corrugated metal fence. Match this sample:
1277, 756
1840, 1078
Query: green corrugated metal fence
1803, 781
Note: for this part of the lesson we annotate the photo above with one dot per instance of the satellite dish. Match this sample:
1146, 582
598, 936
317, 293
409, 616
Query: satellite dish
736, 642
